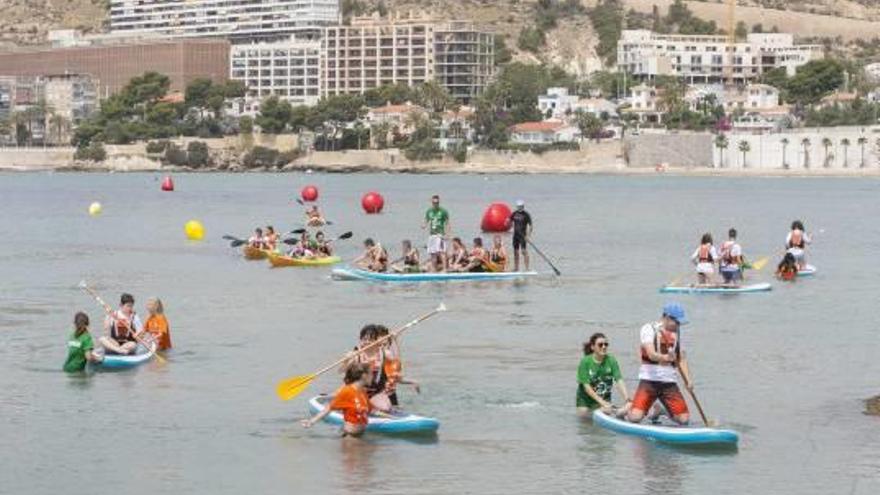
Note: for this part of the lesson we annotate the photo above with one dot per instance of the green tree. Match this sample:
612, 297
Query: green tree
744, 148
394, 94
274, 115
531, 39
784, 142
721, 142
503, 54
805, 142
862, 142
433, 96
589, 125
742, 31
845, 144
607, 21
197, 154
826, 143
814, 80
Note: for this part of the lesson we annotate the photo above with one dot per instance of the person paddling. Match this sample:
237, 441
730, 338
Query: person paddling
157, 324
731, 264
497, 255
374, 356
352, 400
80, 346
704, 258
374, 257
437, 223
121, 327
796, 243
662, 360
322, 246
314, 218
257, 240
270, 240
596, 375
522, 231
409, 260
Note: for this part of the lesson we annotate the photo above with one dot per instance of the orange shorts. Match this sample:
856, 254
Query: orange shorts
668, 394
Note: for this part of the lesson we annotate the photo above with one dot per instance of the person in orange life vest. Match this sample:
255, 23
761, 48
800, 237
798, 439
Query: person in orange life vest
477, 257
787, 269
257, 240
271, 238
705, 258
731, 263
121, 326
662, 361
157, 325
393, 367
498, 255
796, 243
374, 357
352, 400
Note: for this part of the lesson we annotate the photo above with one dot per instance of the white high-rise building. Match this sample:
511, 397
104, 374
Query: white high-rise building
226, 18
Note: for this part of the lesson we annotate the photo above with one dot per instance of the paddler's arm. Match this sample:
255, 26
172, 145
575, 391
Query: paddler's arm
621, 387
655, 356
308, 423
605, 405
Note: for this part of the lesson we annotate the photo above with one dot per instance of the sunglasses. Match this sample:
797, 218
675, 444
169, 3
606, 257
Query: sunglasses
603, 345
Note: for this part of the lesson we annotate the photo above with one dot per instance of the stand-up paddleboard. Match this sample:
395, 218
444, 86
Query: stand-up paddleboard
350, 273
398, 423
716, 289
681, 435
808, 271
119, 361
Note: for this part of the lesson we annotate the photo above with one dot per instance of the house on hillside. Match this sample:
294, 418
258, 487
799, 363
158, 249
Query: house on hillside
557, 103
644, 103
546, 132
838, 98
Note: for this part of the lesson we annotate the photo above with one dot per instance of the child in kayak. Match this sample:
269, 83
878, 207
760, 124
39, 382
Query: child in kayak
157, 325
121, 327
374, 257
596, 375
704, 258
787, 269
352, 400
458, 258
796, 243
80, 347
497, 256
409, 262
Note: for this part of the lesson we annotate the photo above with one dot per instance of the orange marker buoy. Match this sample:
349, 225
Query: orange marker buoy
496, 218
372, 202
309, 193
167, 183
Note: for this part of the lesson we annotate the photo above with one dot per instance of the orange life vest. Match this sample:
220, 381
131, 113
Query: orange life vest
705, 253
797, 239
664, 341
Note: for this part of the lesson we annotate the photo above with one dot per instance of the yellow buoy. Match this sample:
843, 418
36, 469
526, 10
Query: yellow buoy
194, 229
95, 208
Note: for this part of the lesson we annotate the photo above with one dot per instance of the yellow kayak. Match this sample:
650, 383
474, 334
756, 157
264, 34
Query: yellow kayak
278, 260
252, 253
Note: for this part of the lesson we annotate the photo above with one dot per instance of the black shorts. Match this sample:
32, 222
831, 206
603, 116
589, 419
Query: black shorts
519, 242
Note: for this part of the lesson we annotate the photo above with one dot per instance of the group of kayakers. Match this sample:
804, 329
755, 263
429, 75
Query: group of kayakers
371, 374
662, 363
267, 239
123, 331
454, 256
730, 261
305, 246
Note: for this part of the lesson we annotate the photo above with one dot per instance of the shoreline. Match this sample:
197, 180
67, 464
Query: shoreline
454, 168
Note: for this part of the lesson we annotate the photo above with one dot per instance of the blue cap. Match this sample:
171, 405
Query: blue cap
675, 311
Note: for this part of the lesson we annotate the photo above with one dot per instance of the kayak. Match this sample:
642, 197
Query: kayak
349, 273
682, 435
279, 260
716, 289
398, 423
120, 361
808, 271
253, 253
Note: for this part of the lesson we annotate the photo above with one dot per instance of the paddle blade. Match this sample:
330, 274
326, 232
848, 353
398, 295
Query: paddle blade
346, 235
297, 231
291, 387
229, 237
760, 263
290, 242
237, 242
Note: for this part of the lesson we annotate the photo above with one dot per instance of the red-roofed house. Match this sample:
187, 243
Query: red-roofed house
546, 132
396, 115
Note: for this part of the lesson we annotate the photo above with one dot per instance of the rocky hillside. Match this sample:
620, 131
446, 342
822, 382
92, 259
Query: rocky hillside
26, 22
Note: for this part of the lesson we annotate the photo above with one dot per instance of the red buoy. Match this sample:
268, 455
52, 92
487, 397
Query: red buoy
496, 218
372, 202
167, 183
309, 193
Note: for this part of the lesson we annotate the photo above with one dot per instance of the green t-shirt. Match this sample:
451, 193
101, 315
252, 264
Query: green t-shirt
77, 347
600, 376
437, 219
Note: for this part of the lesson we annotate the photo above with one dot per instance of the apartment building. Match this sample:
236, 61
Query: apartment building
220, 18
710, 59
371, 52
290, 70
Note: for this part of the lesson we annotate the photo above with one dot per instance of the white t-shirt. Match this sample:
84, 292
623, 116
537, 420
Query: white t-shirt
735, 251
666, 373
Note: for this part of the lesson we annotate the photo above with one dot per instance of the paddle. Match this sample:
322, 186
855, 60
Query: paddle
84, 286
694, 397
555, 270
291, 387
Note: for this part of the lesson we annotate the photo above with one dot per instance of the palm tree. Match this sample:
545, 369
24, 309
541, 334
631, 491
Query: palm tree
784, 142
805, 142
826, 143
721, 143
59, 126
845, 143
744, 147
862, 142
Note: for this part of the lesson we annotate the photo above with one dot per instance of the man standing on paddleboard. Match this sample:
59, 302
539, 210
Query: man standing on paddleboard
522, 230
437, 223
662, 360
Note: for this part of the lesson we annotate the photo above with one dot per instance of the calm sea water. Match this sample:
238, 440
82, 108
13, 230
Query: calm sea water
788, 369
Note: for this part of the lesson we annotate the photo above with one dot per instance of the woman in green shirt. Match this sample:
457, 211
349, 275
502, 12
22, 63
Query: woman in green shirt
596, 375
80, 347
